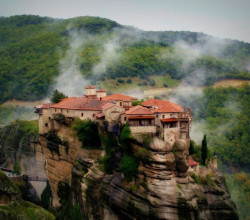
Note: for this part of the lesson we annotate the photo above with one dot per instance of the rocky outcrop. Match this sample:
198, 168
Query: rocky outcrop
163, 188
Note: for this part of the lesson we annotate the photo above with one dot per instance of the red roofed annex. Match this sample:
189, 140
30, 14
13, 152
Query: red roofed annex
151, 117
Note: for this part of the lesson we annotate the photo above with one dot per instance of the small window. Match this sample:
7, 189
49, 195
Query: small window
82, 114
93, 115
67, 111
157, 116
55, 109
125, 118
170, 114
61, 110
46, 124
49, 117
163, 116
120, 103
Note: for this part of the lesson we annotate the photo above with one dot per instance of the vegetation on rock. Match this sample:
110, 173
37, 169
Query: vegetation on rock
57, 96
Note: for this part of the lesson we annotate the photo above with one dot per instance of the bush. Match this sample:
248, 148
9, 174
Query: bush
53, 141
17, 168
137, 102
129, 81
60, 118
129, 167
57, 96
87, 132
143, 155
120, 81
63, 192
46, 197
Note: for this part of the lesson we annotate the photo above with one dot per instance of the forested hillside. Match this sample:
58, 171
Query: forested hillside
31, 48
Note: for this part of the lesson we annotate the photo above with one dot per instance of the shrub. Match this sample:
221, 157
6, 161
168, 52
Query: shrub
46, 197
87, 132
63, 192
53, 141
57, 96
17, 168
120, 81
137, 102
129, 167
125, 137
60, 118
129, 81
196, 178
143, 155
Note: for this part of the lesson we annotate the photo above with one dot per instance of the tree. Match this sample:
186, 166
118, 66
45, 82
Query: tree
17, 168
204, 150
57, 96
191, 148
46, 197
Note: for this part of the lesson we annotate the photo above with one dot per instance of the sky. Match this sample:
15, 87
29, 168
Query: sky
220, 18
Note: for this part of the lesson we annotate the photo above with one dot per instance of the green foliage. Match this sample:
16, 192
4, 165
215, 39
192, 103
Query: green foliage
179, 187
46, 197
191, 147
125, 137
204, 150
87, 132
63, 192
143, 154
196, 178
75, 213
239, 186
53, 141
226, 114
129, 167
60, 118
17, 168
57, 96
29, 58
137, 102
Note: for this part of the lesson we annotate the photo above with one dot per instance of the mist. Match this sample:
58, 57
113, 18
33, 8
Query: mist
70, 80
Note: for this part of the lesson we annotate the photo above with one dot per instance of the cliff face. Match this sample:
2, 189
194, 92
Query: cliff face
18, 142
13, 207
162, 189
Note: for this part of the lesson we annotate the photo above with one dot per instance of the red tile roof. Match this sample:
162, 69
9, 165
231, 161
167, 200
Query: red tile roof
108, 105
99, 115
142, 117
90, 87
118, 97
191, 162
80, 103
168, 119
163, 105
45, 105
139, 110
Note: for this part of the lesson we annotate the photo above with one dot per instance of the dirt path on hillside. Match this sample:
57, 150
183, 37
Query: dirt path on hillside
231, 82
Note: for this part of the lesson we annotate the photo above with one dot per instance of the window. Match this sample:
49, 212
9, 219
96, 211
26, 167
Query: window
156, 115
170, 114
67, 111
93, 115
49, 117
120, 103
163, 116
61, 110
125, 118
82, 114
55, 109
46, 124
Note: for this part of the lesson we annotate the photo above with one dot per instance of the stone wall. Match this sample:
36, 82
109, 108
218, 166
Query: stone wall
143, 129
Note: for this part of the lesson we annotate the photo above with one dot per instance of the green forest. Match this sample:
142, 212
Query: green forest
31, 48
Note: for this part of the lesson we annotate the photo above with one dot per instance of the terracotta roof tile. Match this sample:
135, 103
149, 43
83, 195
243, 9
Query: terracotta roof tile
90, 87
191, 162
118, 97
99, 115
142, 117
139, 110
108, 105
45, 105
163, 105
169, 119
80, 103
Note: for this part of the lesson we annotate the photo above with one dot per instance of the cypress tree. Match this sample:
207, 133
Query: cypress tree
191, 148
204, 150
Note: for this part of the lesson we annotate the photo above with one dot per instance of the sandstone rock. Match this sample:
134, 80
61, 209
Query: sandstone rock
159, 145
